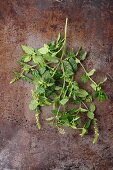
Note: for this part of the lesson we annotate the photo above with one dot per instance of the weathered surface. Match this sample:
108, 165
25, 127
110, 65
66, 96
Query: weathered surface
33, 22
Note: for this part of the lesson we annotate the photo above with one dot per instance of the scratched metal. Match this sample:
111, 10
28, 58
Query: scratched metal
34, 22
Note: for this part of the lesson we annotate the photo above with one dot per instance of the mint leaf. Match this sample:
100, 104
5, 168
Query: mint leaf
64, 101
91, 72
28, 50
92, 107
83, 110
90, 115
26, 58
81, 93
82, 54
87, 124
84, 78
77, 60
44, 50
33, 105
94, 86
73, 64
39, 60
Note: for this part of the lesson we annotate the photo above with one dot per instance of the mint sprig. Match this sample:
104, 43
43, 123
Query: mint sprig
52, 70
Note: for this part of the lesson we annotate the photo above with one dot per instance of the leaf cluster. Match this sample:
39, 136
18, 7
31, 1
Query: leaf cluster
52, 69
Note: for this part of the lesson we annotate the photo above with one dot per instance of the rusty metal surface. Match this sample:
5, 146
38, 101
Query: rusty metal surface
34, 22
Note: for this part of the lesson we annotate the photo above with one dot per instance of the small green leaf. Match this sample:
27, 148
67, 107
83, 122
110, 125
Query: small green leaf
89, 98
44, 50
28, 50
94, 86
64, 101
26, 58
39, 60
83, 110
77, 60
33, 105
51, 58
90, 115
73, 64
81, 93
91, 72
92, 107
101, 95
42, 70
58, 88
84, 78
76, 118
70, 54
82, 54
87, 124
67, 68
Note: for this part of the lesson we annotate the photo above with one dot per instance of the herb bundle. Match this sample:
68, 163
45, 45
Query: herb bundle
52, 70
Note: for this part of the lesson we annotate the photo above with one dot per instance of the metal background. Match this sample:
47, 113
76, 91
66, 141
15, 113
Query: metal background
34, 22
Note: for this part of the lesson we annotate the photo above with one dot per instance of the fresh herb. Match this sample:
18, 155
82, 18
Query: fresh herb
52, 70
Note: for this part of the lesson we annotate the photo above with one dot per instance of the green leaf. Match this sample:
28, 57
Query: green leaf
39, 60
33, 105
44, 50
67, 68
51, 58
77, 60
70, 54
73, 64
83, 110
87, 124
26, 58
28, 50
71, 111
92, 107
84, 78
82, 54
42, 70
58, 88
101, 95
46, 76
64, 101
90, 115
76, 118
94, 86
35, 73
89, 98
81, 93
40, 90
91, 72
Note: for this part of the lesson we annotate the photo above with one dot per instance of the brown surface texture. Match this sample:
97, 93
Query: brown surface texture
34, 22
